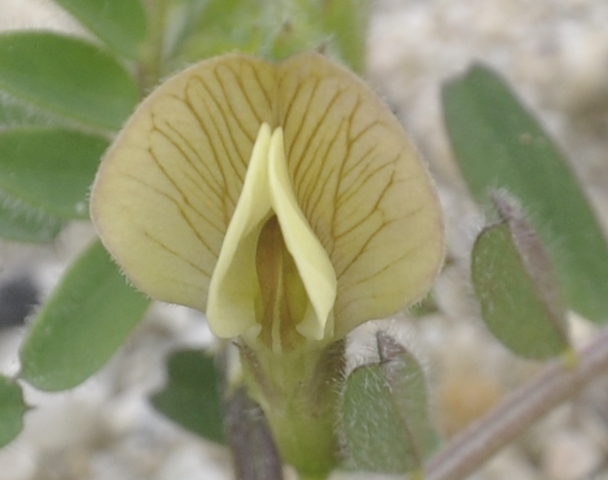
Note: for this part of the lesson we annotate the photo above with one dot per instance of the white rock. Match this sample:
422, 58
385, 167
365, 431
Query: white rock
509, 464
59, 420
569, 455
43, 14
193, 462
18, 461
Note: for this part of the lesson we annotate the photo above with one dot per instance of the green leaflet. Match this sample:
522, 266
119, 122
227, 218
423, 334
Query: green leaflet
344, 23
12, 409
50, 169
121, 24
88, 317
499, 144
385, 423
67, 77
192, 396
274, 29
517, 289
24, 223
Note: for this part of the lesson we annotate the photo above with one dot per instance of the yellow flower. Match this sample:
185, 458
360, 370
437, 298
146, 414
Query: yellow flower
285, 201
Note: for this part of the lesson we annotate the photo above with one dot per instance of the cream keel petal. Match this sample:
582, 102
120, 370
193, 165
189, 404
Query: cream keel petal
314, 266
234, 285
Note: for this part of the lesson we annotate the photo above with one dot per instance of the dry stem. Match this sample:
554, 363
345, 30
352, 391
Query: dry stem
468, 450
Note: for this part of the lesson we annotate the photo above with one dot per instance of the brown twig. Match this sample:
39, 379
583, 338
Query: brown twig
468, 450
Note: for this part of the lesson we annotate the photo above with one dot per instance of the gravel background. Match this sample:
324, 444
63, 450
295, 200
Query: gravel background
555, 54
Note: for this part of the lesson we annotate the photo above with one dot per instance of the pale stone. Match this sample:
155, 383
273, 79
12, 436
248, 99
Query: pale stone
18, 461
569, 455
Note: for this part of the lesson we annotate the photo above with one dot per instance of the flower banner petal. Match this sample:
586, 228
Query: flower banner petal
168, 186
362, 187
355, 200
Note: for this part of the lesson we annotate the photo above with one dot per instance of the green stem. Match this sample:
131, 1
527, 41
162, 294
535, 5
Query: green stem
305, 437
298, 394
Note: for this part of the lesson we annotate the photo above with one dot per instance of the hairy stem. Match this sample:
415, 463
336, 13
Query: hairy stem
468, 450
150, 63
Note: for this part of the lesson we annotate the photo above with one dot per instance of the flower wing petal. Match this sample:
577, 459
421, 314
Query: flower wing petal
361, 185
168, 186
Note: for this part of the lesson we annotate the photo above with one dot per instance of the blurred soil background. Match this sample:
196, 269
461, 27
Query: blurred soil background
554, 53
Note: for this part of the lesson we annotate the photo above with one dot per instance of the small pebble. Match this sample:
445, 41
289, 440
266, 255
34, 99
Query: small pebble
569, 455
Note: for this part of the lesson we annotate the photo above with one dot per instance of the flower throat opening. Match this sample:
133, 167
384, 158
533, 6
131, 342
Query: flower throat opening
283, 300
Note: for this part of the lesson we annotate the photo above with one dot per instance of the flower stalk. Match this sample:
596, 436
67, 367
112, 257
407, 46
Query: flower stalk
298, 391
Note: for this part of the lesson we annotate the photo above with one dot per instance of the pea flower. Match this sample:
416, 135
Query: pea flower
284, 200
